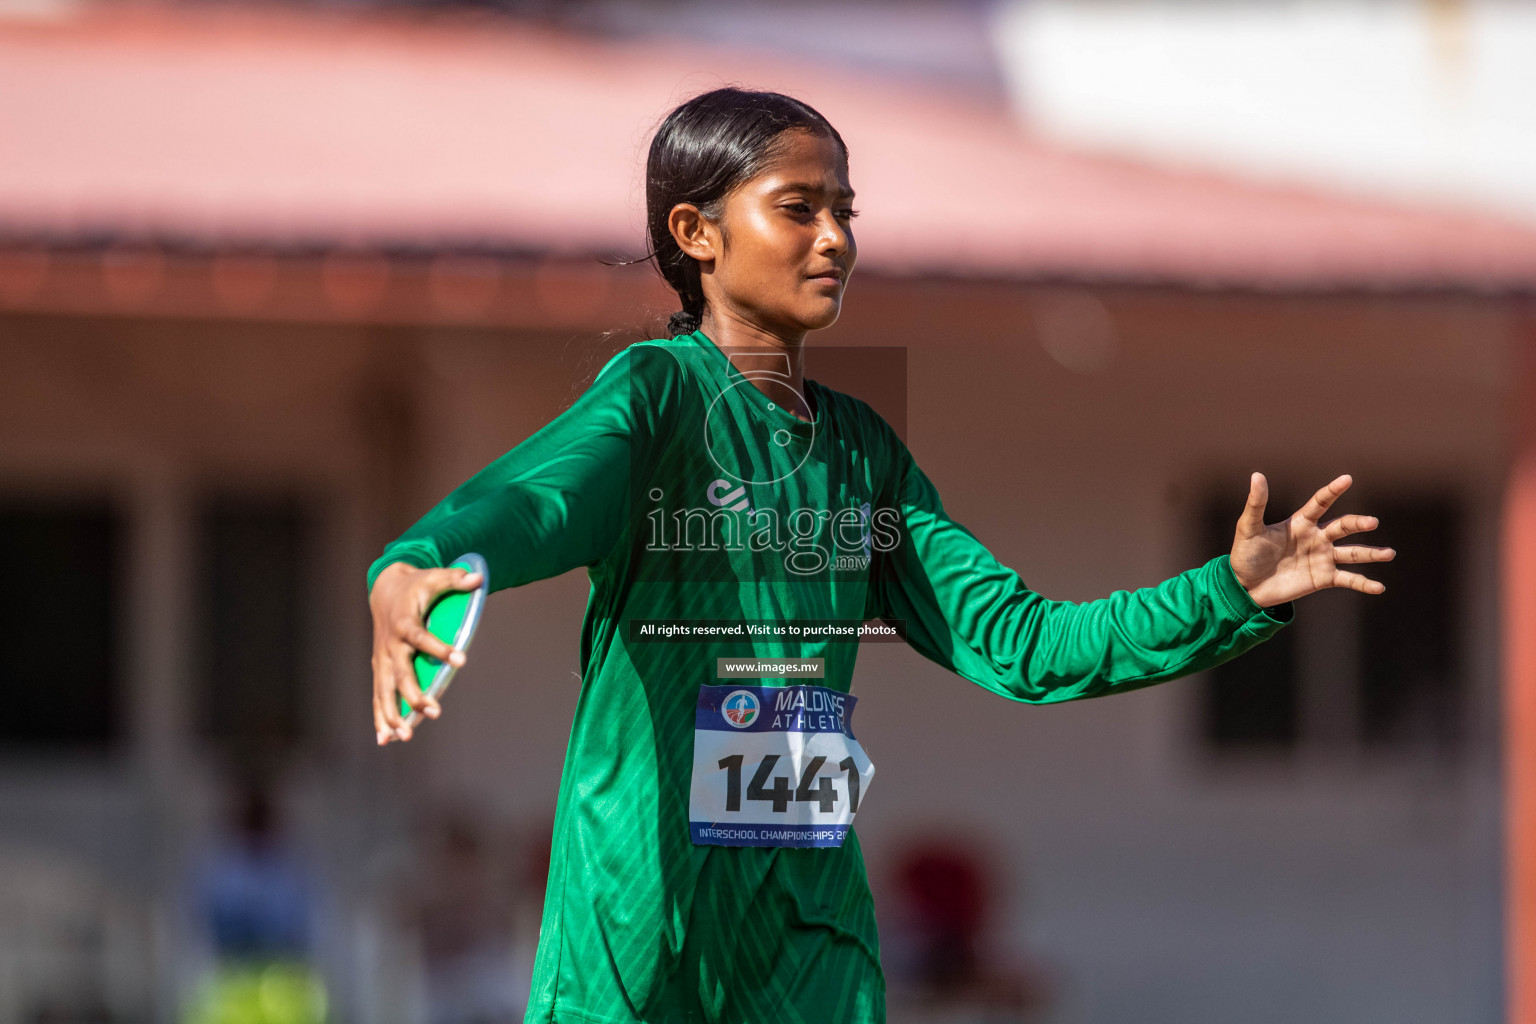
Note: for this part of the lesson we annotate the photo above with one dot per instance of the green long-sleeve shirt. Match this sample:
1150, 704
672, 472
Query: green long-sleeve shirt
690, 494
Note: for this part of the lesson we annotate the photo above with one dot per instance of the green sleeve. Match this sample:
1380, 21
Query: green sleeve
561, 498
959, 607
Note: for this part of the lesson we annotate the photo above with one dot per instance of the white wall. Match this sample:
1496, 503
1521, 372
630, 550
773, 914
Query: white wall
1421, 99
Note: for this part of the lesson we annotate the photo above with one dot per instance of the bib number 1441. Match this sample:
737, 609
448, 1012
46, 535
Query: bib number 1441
775, 766
823, 793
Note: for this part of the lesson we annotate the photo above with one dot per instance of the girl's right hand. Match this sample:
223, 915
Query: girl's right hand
399, 601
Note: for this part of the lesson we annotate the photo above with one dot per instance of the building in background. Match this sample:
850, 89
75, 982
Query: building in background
272, 282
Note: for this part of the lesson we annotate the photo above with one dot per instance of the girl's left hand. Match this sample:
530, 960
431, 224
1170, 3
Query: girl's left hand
1284, 561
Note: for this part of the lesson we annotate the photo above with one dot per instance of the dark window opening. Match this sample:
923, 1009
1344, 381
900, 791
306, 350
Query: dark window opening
1410, 681
60, 585
1254, 700
1397, 655
253, 606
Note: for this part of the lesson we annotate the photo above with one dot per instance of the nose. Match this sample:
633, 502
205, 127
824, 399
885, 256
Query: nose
833, 238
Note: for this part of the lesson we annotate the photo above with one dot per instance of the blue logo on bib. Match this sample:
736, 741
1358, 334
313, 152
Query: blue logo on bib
741, 708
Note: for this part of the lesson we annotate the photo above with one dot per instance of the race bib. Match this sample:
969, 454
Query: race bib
775, 766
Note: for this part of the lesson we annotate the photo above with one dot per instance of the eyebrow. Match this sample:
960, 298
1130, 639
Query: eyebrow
805, 186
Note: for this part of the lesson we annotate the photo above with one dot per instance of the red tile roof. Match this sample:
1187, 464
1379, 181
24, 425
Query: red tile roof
229, 128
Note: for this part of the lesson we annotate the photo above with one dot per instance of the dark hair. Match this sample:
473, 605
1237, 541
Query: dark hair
704, 149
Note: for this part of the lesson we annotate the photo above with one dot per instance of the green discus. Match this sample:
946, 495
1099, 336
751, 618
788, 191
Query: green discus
452, 619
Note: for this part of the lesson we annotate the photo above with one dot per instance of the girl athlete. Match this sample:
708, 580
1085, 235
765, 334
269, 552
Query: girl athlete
700, 487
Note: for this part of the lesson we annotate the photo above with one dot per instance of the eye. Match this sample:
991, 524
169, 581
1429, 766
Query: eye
804, 209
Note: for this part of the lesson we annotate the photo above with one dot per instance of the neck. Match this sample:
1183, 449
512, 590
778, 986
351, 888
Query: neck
755, 349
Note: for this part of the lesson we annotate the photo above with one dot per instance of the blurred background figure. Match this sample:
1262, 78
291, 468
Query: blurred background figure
941, 955
256, 902
461, 900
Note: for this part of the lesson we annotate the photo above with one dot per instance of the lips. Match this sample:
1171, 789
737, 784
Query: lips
834, 276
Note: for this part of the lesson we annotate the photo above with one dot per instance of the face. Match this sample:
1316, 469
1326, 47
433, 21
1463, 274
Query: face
783, 249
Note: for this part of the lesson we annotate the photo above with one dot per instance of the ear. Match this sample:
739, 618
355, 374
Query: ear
695, 235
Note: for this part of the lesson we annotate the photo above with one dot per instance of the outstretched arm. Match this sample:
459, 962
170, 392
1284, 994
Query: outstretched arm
962, 609
558, 500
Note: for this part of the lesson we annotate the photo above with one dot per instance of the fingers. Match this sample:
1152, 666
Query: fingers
400, 637
380, 732
408, 690
417, 698
1354, 581
1347, 553
1252, 520
1318, 504
419, 638
383, 698
436, 581
388, 702
1343, 526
